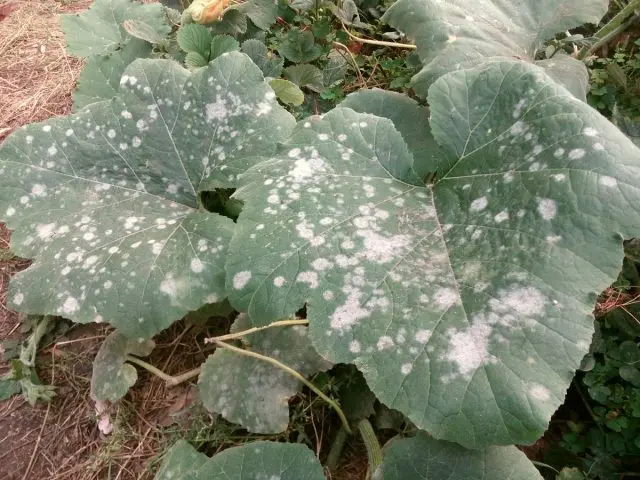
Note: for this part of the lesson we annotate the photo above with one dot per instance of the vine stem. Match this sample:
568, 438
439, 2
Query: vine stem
612, 25
380, 43
337, 446
233, 336
374, 451
293, 373
170, 380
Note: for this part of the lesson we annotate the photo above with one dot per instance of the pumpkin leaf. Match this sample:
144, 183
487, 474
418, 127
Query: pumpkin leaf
457, 34
255, 460
423, 457
252, 392
106, 200
101, 29
466, 302
112, 377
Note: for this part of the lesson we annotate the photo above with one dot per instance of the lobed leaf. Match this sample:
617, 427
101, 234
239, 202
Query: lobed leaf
467, 303
305, 75
106, 200
100, 29
271, 65
252, 392
458, 34
423, 457
112, 377
195, 38
262, 13
223, 44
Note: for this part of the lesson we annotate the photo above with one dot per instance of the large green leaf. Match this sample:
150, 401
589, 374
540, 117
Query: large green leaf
100, 29
466, 303
252, 461
252, 392
112, 377
106, 200
423, 457
459, 34
100, 77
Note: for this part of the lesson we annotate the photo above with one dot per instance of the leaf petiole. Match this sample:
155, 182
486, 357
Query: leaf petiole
170, 380
233, 336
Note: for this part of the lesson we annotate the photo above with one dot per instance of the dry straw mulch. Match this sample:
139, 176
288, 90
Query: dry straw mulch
36, 75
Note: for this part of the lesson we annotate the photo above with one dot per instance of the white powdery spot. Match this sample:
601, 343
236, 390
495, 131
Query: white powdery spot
354, 346
216, 111
349, 313
598, 146
501, 217
305, 169
10, 212
590, 132
381, 249
469, 349
526, 301
18, 298
479, 204
196, 265
608, 181
547, 208
539, 392
44, 231
384, 343
406, 368
517, 111
279, 281
577, 153
241, 279
169, 287
445, 298
423, 336
39, 190
263, 109
321, 264
136, 142
70, 306
310, 278
52, 150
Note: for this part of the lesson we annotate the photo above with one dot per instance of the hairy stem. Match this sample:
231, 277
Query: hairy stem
233, 336
380, 43
170, 380
374, 452
612, 25
293, 373
336, 449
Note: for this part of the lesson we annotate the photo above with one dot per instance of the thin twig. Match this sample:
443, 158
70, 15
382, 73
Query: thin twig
233, 336
379, 43
355, 65
293, 373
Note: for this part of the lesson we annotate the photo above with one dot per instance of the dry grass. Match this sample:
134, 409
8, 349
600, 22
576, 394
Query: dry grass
36, 74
